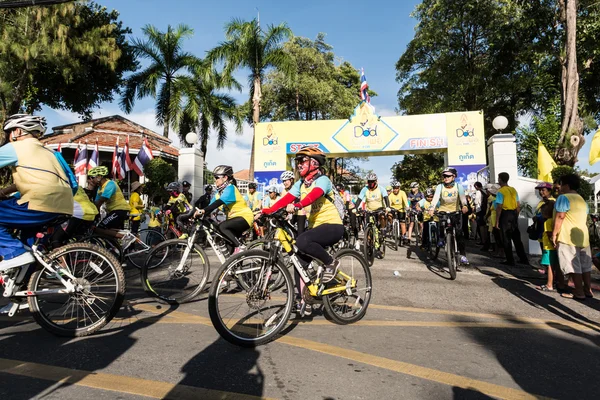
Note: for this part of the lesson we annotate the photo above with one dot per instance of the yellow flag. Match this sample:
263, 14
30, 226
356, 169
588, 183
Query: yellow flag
545, 163
595, 149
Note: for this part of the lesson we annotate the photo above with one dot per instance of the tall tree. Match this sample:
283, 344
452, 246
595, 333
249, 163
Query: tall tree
248, 46
168, 62
206, 109
69, 56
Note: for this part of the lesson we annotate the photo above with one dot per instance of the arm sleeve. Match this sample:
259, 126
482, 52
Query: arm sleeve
562, 204
8, 156
361, 197
436, 196
311, 197
109, 190
213, 206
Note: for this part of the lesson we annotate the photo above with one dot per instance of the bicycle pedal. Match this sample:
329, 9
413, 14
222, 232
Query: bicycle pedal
13, 309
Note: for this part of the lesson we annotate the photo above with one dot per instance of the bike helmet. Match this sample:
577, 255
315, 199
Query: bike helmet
173, 187
223, 170
371, 177
98, 171
286, 176
186, 184
429, 192
273, 189
395, 184
312, 152
414, 185
252, 185
388, 188
449, 170
30, 123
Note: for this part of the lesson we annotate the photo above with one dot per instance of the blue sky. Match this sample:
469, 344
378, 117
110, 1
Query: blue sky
368, 35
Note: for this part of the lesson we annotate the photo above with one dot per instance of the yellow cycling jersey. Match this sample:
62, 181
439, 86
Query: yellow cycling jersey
182, 203
83, 208
116, 201
154, 220
235, 205
322, 211
399, 201
254, 200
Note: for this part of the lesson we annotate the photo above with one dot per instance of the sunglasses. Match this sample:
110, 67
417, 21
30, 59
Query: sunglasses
300, 160
447, 176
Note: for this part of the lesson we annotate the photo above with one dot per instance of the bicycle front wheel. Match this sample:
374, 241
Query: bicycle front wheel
451, 257
353, 280
369, 245
137, 253
396, 231
253, 316
99, 290
434, 249
175, 274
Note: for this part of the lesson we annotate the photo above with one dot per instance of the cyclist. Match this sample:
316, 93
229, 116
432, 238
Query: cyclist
204, 200
253, 198
287, 178
110, 195
414, 197
41, 178
425, 204
375, 198
272, 198
349, 207
399, 203
137, 207
239, 215
186, 191
178, 205
388, 189
450, 197
325, 224
84, 215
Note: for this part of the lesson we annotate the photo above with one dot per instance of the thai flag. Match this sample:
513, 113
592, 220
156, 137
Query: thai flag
81, 161
125, 161
116, 167
95, 158
364, 95
143, 157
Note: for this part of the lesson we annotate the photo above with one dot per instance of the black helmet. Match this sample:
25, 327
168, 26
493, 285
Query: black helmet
208, 188
186, 184
252, 185
450, 170
173, 187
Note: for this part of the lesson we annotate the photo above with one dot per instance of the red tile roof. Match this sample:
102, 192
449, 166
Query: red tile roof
242, 175
106, 130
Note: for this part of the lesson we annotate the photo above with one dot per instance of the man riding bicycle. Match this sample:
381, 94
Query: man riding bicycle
41, 191
375, 198
109, 194
253, 198
399, 204
425, 204
414, 197
449, 197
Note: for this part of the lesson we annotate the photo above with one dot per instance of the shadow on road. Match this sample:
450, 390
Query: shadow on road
468, 394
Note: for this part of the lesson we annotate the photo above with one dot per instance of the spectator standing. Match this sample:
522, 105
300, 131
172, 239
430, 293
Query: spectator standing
508, 209
571, 237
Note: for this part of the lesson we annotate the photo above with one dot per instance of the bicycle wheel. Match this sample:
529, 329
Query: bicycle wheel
451, 257
99, 291
171, 275
137, 253
254, 316
434, 249
350, 305
110, 244
369, 245
278, 278
397, 235
382, 244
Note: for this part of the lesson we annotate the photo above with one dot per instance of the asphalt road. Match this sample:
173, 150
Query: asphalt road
488, 334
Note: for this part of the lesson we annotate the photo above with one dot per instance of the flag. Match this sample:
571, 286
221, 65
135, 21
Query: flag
116, 167
595, 148
364, 95
59, 148
126, 164
81, 161
545, 163
95, 157
143, 157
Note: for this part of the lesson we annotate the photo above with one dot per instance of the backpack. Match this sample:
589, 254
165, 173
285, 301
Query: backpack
73, 184
337, 201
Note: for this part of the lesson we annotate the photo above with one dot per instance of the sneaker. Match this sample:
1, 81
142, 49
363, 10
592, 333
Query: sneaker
464, 260
184, 236
330, 271
18, 261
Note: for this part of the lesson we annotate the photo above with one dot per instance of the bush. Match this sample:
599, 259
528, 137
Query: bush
586, 190
159, 173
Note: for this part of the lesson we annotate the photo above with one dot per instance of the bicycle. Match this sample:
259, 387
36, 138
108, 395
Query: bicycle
75, 290
395, 233
433, 249
448, 227
255, 316
373, 240
413, 217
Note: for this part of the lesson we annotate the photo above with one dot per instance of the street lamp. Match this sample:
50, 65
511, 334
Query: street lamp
191, 138
500, 123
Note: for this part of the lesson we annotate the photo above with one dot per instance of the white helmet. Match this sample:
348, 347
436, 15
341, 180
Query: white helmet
273, 189
414, 185
31, 124
286, 175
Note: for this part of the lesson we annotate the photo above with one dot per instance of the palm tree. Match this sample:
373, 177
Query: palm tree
160, 78
205, 109
248, 46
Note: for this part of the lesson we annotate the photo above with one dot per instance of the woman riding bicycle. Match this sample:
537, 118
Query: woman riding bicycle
325, 224
239, 216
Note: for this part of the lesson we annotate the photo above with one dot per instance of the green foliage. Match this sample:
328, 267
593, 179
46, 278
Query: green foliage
159, 173
422, 168
545, 127
48, 54
586, 190
318, 89
161, 79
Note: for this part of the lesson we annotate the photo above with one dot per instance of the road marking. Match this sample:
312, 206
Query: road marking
115, 383
385, 363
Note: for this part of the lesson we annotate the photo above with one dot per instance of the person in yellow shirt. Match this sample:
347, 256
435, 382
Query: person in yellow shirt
155, 214
137, 207
571, 238
508, 209
549, 254
109, 194
399, 205
425, 204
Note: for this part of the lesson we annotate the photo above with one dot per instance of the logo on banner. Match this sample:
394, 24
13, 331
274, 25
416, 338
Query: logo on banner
364, 131
270, 142
465, 134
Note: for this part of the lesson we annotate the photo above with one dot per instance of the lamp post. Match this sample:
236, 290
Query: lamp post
191, 138
500, 123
